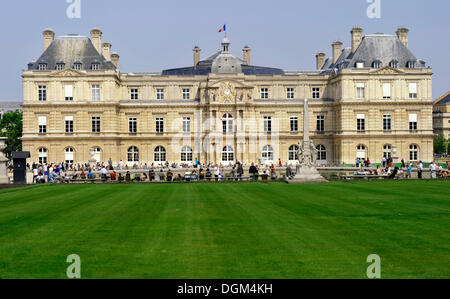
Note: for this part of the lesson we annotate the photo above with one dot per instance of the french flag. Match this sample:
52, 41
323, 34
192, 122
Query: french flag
223, 29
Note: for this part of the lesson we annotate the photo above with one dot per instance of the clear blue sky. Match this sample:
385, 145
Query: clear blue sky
154, 35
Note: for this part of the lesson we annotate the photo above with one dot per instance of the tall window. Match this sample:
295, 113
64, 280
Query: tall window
361, 151
134, 94
69, 154
42, 93
361, 122
160, 154
320, 123
413, 152
132, 125
387, 151
267, 153
293, 153
386, 91
68, 92
186, 93
360, 91
321, 153
387, 122
227, 154
413, 122
69, 124
316, 93
186, 154
95, 93
413, 90
42, 122
96, 124
160, 93
227, 123
186, 125
264, 93
159, 125
294, 124
267, 124
42, 156
290, 93
133, 154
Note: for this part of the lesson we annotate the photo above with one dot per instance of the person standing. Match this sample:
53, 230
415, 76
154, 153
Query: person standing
419, 170
253, 171
240, 171
433, 170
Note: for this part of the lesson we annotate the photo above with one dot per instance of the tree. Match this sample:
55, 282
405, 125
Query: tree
11, 127
440, 144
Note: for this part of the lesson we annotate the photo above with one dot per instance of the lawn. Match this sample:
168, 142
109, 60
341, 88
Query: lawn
243, 230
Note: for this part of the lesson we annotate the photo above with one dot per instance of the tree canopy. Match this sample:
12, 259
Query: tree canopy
11, 127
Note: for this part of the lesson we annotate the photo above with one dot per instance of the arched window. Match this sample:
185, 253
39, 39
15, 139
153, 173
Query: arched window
267, 153
42, 155
293, 153
160, 154
361, 151
133, 154
186, 154
413, 153
321, 153
69, 155
227, 154
387, 151
393, 64
376, 64
227, 123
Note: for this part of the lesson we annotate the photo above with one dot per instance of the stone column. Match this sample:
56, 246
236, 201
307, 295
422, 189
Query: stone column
4, 179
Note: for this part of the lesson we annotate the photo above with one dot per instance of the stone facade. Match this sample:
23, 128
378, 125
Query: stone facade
228, 104
441, 116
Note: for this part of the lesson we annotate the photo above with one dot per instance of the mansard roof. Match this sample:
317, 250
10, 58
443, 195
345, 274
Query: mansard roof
69, 50
375, 47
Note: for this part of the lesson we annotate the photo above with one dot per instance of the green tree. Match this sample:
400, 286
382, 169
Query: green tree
11, 127
440, 144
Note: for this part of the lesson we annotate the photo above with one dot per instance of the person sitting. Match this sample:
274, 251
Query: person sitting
151, 175
128, 177
169, 176
113, 176
394, 173
121, 178
83, 175
208, 175
145, 176
90, 175
187, 176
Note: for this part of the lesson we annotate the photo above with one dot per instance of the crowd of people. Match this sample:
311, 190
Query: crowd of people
66, 172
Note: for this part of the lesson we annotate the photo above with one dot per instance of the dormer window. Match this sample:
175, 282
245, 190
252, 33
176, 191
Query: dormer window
77, 66
95, 66
393, 64
42, 66
376, 64
359, 64
411, 64
60, 66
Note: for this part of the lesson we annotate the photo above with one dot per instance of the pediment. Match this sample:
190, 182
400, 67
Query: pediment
387, 70
67, 73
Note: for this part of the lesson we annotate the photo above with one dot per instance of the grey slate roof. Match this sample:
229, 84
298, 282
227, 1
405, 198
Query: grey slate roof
381, 47
69, 50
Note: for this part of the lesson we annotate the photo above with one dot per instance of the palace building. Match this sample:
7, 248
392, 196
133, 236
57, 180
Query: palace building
369, 100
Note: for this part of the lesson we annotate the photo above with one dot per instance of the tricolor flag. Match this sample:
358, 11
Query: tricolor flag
223, 29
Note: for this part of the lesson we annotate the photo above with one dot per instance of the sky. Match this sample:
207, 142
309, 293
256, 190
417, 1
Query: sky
155, 35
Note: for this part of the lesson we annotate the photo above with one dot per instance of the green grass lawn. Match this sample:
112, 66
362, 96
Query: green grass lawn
226, 230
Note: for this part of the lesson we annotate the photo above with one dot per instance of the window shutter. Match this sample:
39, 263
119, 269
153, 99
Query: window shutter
42, 120
69, 91
413, 117
412, 87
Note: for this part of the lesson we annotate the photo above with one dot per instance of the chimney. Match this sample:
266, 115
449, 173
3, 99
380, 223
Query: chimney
49, 37
96, 38
247, 51
356, 38
337, 50
197, 51
402, 34
107, 51
115, 59
320, 60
